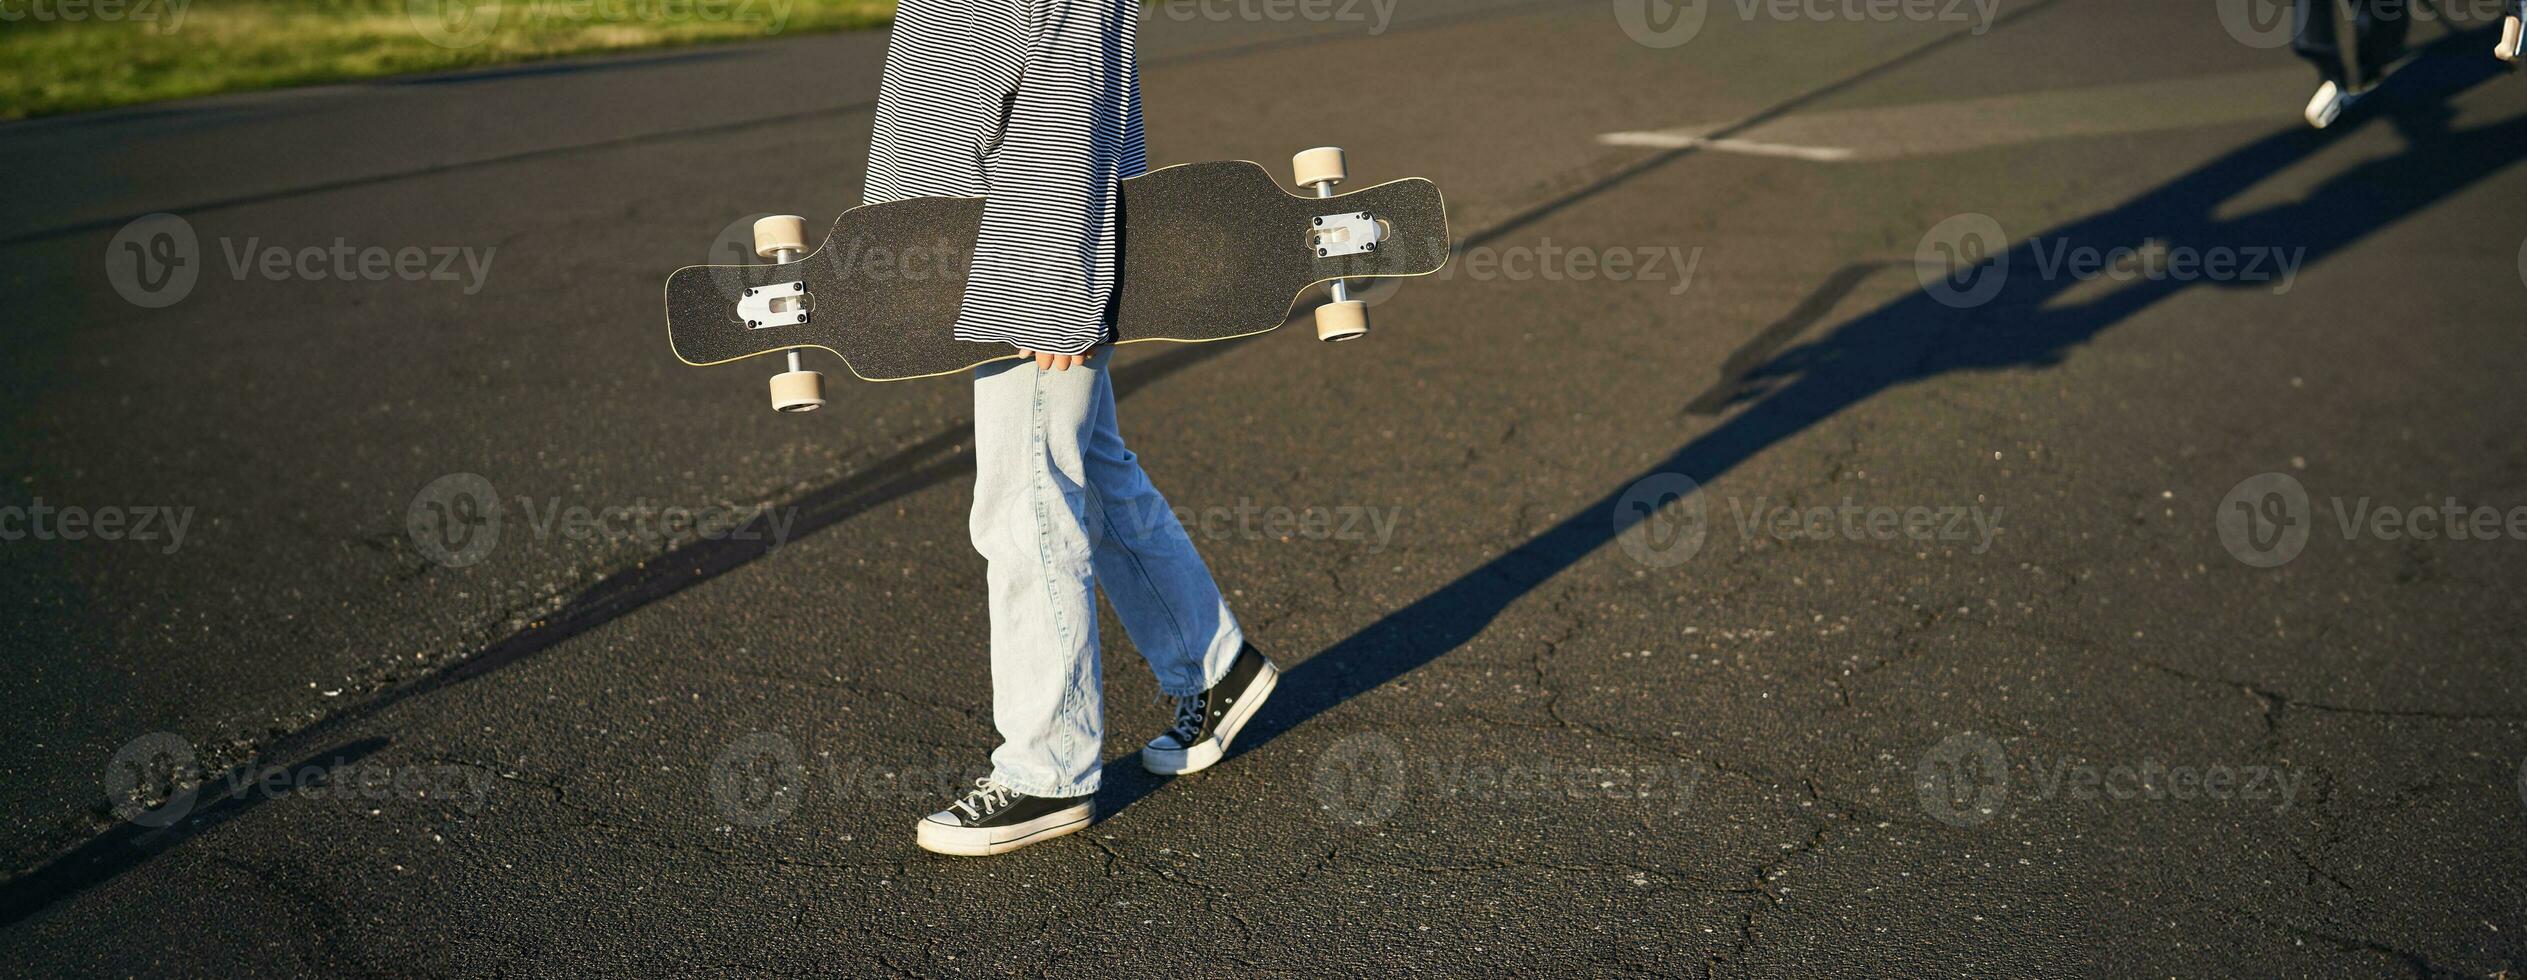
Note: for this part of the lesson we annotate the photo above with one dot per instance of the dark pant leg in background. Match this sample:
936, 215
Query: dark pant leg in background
2313, 36
2378, 29
2381, 26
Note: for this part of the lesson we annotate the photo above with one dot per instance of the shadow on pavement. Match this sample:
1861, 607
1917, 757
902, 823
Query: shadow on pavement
1919, 337
182, 818
1909, 340
935, 460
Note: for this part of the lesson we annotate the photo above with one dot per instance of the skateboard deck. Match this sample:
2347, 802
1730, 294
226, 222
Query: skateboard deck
1210, 251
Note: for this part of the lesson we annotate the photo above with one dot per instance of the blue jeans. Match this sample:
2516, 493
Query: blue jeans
1061, 508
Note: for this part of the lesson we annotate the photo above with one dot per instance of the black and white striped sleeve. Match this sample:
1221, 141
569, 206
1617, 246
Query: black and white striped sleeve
1036, 105
1045, 264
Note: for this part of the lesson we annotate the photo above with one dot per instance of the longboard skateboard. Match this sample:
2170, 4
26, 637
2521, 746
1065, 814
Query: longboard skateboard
1210, 251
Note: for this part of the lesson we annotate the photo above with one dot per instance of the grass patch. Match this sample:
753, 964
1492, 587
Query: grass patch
121, 52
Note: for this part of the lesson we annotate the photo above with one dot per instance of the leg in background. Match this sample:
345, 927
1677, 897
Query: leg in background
2381, 26
1147, 564
2314, 36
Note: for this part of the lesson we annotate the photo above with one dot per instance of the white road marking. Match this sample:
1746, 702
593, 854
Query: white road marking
1677, 140
1929, 129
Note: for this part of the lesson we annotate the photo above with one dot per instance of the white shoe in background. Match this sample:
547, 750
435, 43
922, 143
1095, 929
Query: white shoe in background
2327, 106
2332, 100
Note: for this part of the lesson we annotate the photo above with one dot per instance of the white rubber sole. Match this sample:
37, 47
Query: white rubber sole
1204, 754
939, 838
2326, 106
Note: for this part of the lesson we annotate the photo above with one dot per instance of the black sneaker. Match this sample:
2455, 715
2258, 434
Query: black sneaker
1206, 722
995, 819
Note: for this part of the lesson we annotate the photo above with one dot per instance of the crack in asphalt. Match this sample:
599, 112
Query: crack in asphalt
2277, 703
325, 920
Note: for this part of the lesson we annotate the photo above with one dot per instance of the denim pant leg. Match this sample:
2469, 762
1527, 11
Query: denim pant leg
1031, 523
2315, 37
1149, 568
2381, 26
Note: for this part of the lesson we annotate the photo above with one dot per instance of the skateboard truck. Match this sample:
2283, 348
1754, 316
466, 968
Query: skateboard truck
782, 238
1336, 234
1344, 234
774, 305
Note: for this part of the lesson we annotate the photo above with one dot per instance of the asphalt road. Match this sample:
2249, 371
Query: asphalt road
2145, 599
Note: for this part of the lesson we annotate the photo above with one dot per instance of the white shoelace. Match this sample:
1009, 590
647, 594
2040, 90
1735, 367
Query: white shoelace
986, 797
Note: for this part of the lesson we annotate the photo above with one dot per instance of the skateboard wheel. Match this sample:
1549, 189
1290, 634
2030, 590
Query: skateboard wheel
1323, 164
778, 232
1342, 320
2507, 50
798, 391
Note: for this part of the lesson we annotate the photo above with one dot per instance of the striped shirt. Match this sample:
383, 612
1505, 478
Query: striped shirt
1035, 105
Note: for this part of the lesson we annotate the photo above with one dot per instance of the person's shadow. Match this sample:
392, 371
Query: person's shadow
1920, 337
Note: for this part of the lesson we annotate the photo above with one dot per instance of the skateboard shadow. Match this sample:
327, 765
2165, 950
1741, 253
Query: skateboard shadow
1918, 338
